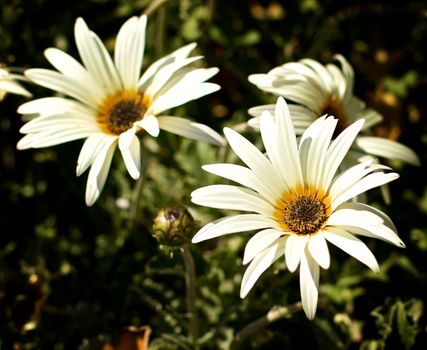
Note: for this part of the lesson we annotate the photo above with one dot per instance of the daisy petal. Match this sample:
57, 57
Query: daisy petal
338, 150
232, 197
387, 148
309, 282
92, 146
152, 70
259, 242
150, 124
13, 87
70, 67
176, 97
129, 51
258, 265
98, 173
243, 176
58, 82
295, 246
165, 74
131, 154
352, 214
191, 130
95, 57
319, 250
233, 224
352, 246
370, 181
254, 159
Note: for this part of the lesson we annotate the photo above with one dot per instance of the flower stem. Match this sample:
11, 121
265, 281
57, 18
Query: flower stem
276, 313
190, 281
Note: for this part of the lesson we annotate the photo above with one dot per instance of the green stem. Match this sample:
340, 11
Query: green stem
276, 313
190, 281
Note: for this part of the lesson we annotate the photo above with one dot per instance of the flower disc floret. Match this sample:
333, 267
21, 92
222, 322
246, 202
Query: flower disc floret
118, 113
302, 212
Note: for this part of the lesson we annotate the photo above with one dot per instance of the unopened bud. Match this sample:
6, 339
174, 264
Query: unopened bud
174, 226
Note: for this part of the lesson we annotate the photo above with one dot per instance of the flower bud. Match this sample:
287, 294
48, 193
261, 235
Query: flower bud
174, 226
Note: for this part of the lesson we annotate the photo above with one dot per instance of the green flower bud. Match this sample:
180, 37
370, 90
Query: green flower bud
173, 227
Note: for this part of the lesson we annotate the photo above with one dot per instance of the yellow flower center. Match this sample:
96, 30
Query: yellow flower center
118, 112
303, 211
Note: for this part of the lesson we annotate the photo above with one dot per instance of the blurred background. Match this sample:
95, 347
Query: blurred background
73, 277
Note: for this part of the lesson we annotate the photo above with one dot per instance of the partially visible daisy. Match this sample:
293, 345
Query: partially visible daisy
108, 102
294, 197
9, 84
319, 90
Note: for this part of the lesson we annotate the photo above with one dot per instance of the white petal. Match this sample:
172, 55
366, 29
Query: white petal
175, 97
232, 224
131, 153
382, 232
352, 214
352, 246
65, 121
259, 242
61, 83
187, 79
321, 71
348, 73
381, 147
295, 246
319, 250
279, 148
96, 58
13, 87
53, 137
232, 197
305, 148
98, 173
369, 181
352, 175
254, 159
301, 116
191, 130
51, 105
92, 146
316, 158
309, 283
243, 176
129, 51
152, 70
338, 150
150, 124
68, 66
261, 263
165, 73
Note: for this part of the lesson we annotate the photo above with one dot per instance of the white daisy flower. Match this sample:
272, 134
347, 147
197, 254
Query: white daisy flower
319, 90
110, 102
8, 84
294, 198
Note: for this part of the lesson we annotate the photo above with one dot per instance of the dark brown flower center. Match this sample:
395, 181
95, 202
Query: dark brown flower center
303, 211
118, 113
305, 215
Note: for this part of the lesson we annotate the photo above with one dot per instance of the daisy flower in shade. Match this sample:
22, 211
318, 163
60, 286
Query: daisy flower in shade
296, 200
8, 84
319, 90
108, 102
